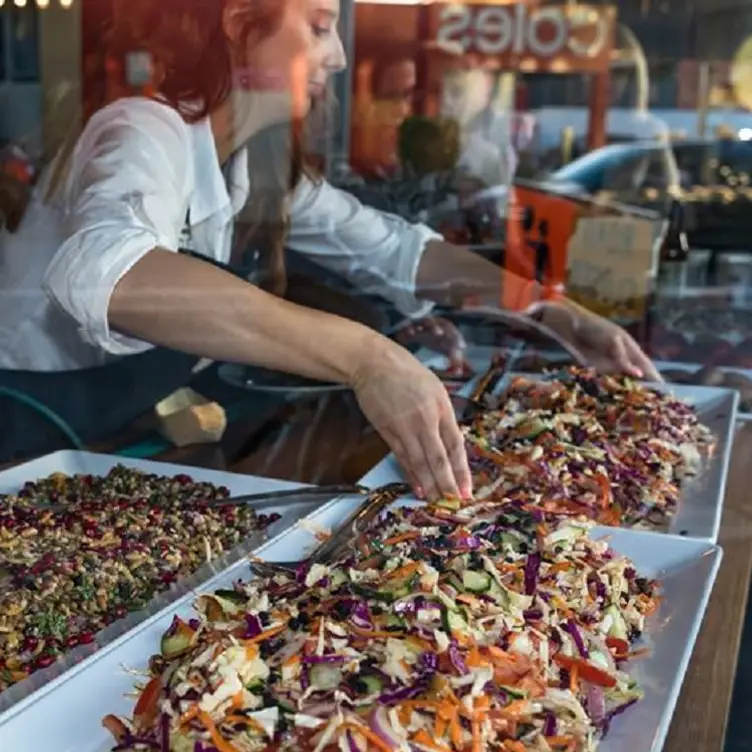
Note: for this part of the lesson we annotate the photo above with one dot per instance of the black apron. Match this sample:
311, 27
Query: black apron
100, 401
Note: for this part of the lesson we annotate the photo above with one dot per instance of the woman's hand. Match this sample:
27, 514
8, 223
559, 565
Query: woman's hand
606, 345
439, 335
410, 408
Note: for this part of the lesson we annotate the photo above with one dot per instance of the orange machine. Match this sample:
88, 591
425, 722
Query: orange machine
403, 52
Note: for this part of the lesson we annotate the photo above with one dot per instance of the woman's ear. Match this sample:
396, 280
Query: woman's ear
232, 22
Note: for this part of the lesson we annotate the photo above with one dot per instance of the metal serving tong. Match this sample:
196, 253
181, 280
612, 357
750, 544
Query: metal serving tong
263, 500
345, 535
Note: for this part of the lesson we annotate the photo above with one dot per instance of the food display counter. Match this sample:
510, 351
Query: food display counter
657, 594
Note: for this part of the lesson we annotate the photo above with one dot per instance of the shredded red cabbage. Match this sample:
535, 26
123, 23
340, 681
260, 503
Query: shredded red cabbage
549, 727
253, 627
456, 659
313, 660
571, 627
532, 567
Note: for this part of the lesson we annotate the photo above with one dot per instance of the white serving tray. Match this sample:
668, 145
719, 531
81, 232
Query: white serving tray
66, 716
76, 462
701, 506
664, 365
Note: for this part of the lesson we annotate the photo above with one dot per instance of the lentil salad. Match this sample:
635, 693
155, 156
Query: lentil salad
119, 540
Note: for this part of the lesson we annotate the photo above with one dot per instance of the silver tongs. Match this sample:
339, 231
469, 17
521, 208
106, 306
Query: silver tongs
262, 500
346, 534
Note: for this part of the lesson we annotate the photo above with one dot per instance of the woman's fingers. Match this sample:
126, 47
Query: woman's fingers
454, 442
630, 359
643, 362
432, 454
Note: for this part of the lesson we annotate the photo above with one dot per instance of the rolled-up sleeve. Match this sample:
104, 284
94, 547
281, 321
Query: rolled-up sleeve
125, 193
376, 251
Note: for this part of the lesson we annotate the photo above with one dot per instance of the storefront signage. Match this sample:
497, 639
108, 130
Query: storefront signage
574, 37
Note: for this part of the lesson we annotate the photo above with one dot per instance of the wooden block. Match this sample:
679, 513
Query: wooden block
186, 417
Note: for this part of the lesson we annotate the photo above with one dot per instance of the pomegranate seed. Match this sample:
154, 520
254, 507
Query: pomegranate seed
86, 638
120, 612
30, 644
44, 661
71, 642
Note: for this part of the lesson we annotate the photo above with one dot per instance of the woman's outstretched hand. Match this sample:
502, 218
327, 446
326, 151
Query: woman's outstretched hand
411, 410
607, 346
439, 335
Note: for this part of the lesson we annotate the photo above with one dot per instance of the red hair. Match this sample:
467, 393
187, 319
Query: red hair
190, 52
192, 63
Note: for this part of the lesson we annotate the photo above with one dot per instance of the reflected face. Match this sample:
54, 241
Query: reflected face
396, 86
465, 93
300, 56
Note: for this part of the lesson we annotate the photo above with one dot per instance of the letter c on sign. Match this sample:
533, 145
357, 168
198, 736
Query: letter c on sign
578, 21
537, 19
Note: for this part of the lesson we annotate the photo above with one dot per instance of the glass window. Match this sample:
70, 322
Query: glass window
24, 44
3, 44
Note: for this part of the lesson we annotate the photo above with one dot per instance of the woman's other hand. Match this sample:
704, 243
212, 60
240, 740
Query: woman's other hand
607, 346
410, 408
439, 335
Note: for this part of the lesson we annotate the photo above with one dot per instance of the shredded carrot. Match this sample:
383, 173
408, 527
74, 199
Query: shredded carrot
560, 741
455, 731
268, 634
477, 738
573, 679
248, 721
402, 572
369, 736
424, 739
293, 660
403, 538
189, 715
513, 746
217, 739
516, 709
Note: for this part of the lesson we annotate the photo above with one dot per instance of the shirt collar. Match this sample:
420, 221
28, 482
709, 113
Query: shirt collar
215, 189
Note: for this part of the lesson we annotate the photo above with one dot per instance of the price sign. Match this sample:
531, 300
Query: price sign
611, 263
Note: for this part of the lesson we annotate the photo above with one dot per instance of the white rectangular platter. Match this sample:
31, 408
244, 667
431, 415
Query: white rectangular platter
701, 506
66, 716
664, 365
76, 462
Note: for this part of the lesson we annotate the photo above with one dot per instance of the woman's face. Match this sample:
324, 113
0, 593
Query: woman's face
300, 56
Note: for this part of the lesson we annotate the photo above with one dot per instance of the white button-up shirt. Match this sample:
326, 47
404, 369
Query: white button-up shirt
137, 171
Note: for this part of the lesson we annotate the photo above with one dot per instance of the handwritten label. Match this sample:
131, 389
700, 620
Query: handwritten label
611, 264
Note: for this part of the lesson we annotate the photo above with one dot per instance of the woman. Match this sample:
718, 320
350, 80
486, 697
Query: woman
91, 279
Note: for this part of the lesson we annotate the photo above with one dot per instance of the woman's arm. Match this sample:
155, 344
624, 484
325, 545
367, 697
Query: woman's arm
448, 274
183, 303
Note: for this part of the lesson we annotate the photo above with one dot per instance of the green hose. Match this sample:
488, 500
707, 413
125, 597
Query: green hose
45, 412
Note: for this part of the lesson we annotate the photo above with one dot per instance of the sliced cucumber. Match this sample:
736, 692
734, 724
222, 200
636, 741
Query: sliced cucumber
177, 639
372, 684
455, 622
476, 582
325, 676
517, 694
618, 626
233, 596
455, 582
446, 601
385, 596
392, 620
